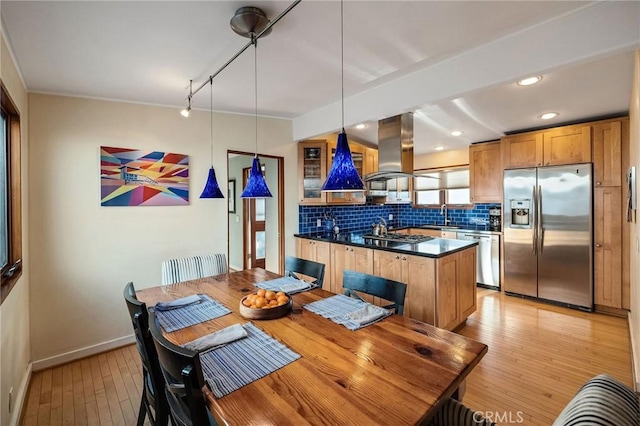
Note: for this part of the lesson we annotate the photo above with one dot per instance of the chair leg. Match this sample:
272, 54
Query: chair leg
143, 410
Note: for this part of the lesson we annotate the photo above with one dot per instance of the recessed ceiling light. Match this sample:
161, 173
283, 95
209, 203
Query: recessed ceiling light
361, 126
456, 133
439, 148
548, 115
529, 80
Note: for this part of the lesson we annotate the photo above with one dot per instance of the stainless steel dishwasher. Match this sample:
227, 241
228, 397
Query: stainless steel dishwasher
488, 257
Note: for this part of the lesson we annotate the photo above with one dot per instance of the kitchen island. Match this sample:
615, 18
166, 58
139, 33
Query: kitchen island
440, 273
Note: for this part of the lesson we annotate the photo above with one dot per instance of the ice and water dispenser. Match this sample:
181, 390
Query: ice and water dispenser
521, 213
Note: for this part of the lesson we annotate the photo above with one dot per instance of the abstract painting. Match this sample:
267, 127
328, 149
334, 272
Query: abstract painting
131, 177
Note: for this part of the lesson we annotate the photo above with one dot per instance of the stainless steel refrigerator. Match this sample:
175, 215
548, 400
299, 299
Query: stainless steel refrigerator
547, 228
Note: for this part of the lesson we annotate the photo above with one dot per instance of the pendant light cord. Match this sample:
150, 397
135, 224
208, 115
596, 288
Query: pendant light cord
342, 56
255, 82
211, 108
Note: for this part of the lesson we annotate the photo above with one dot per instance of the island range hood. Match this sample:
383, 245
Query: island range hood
395, 148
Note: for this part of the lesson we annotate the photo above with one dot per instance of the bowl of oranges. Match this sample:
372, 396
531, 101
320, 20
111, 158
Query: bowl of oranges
265, 304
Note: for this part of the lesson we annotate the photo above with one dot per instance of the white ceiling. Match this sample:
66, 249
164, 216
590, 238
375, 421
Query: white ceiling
453, 63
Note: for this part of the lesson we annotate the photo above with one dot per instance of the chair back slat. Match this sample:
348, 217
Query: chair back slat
305, 267
183, 379
151, 374
390, 290
194, 267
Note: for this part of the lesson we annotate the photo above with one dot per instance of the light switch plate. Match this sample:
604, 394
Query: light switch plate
390, 216
319, 223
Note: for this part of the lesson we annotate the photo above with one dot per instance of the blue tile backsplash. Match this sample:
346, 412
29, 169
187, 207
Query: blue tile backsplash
360, 218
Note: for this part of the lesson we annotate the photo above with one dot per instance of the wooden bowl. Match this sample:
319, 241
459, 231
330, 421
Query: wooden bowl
266, 314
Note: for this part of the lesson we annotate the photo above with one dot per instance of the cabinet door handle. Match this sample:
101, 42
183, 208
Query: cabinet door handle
404, 258
598, 245
397, 257
598, 184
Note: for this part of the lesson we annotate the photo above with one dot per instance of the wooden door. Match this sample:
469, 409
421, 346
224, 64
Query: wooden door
608, 247
567, 145
519, 151
485, 172
340, 259
387, 265
607, 160
322, 254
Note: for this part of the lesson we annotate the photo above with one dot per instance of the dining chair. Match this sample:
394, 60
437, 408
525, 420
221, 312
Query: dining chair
183, 380
454, 412
153, 403
295, 265
390, 290
194, 267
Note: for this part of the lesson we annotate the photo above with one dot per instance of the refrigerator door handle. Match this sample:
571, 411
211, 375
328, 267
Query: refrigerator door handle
539, 221
534, 233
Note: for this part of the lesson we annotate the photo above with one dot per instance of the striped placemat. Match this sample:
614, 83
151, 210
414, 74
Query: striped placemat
337, 308
287, 284
177, 318
239, 363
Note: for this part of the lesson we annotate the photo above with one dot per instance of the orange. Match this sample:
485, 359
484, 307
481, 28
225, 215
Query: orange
273, 302
246, 302
260, 301
280, 293
270, 295
284, 299
261, 292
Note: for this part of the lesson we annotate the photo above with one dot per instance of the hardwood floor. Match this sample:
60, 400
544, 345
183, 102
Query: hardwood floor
539, 356
100, 390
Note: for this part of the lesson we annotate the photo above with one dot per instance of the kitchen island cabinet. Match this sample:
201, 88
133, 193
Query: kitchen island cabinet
440, 291
440, 273
317, 251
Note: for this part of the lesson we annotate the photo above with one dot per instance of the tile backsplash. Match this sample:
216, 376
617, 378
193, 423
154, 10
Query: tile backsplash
360, 218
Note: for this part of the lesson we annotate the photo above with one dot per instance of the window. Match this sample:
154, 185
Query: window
10, 195
437, 187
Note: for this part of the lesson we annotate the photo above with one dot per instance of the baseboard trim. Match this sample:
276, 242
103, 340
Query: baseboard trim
21, 397
635, 369
82, 353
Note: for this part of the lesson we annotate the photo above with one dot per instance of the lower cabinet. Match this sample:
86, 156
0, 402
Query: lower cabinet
440, 291
318, 251
343, 257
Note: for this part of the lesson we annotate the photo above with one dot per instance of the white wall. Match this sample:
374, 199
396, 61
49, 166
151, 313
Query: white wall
634, 127
15, 343
83, 254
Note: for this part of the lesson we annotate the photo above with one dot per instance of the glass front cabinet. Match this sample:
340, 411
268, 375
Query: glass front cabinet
314, 161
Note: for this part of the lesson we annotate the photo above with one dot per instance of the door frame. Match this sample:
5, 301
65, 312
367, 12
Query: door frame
280, 201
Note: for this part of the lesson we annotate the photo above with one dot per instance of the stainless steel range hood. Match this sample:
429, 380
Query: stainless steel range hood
395, 148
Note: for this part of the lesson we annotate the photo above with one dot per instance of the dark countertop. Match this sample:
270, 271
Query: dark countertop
436, 247
484, 229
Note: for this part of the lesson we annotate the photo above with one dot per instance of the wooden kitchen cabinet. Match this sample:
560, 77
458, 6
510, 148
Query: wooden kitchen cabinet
522, 150
485, 172
561, 145
439, 291
343, 257
607, 138
358, 153
317, 251
312, 171
607, 259
567, 145
370, 160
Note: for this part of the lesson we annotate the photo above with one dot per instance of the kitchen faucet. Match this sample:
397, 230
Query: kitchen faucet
443, 212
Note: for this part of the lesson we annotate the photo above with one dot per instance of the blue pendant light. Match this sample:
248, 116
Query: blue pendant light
343, 175
211, 188
256, 185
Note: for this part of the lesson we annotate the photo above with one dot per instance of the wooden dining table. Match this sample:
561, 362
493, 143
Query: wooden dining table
394, 372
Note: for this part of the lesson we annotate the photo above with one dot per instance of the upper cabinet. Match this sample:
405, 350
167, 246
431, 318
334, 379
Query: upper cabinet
485, 172
314, 162
607, 138
312, 171
562, 145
